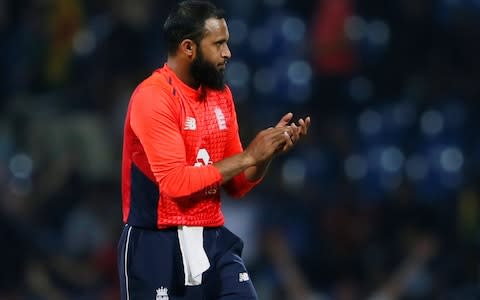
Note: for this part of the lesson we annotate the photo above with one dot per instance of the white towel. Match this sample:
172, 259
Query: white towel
195, 260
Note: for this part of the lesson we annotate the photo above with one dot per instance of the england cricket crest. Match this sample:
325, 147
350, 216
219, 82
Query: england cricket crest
162, 294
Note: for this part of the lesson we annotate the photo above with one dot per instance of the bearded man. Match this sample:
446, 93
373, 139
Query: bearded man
181, 146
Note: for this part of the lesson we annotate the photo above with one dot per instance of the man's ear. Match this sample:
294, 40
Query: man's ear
189, 48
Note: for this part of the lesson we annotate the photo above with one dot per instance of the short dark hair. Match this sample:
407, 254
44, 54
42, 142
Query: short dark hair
187, 21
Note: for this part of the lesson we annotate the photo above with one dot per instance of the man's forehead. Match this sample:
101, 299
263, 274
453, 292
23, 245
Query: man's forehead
216, 26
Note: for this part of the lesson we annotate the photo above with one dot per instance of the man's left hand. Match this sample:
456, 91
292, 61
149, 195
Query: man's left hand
293, 131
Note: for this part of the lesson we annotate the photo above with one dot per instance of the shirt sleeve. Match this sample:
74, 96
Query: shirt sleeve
154, 120
239, 185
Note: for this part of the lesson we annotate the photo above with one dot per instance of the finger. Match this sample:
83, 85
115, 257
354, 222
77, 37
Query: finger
307, 124
285, 120
301, 124
304, 125
288, 141
295, 132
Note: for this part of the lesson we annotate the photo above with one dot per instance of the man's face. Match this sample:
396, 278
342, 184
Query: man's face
208, 66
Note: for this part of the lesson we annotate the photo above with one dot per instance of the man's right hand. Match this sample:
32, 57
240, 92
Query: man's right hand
256, 157
267, 143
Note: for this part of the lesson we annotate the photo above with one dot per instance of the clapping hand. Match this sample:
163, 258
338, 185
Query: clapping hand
293, 131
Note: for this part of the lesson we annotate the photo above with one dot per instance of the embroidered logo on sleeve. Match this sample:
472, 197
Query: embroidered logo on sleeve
222, 124
243, 277
190, 123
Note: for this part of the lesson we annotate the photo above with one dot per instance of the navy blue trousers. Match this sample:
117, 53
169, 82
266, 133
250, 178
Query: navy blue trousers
151, 268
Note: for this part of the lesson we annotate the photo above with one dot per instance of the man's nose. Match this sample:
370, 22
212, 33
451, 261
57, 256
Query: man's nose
226, 52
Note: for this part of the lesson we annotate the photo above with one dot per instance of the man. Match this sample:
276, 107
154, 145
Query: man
181, 145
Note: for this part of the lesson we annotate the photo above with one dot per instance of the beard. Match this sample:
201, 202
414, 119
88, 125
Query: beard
206, 74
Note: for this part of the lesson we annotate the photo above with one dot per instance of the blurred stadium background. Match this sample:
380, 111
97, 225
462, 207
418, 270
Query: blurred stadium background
381, 201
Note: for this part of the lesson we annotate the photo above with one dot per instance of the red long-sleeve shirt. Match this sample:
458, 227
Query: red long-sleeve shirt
172, 136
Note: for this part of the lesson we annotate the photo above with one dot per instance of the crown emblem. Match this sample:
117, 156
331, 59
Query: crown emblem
162, 293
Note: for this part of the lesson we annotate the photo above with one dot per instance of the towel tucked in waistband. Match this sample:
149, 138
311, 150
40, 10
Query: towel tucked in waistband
195, 260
